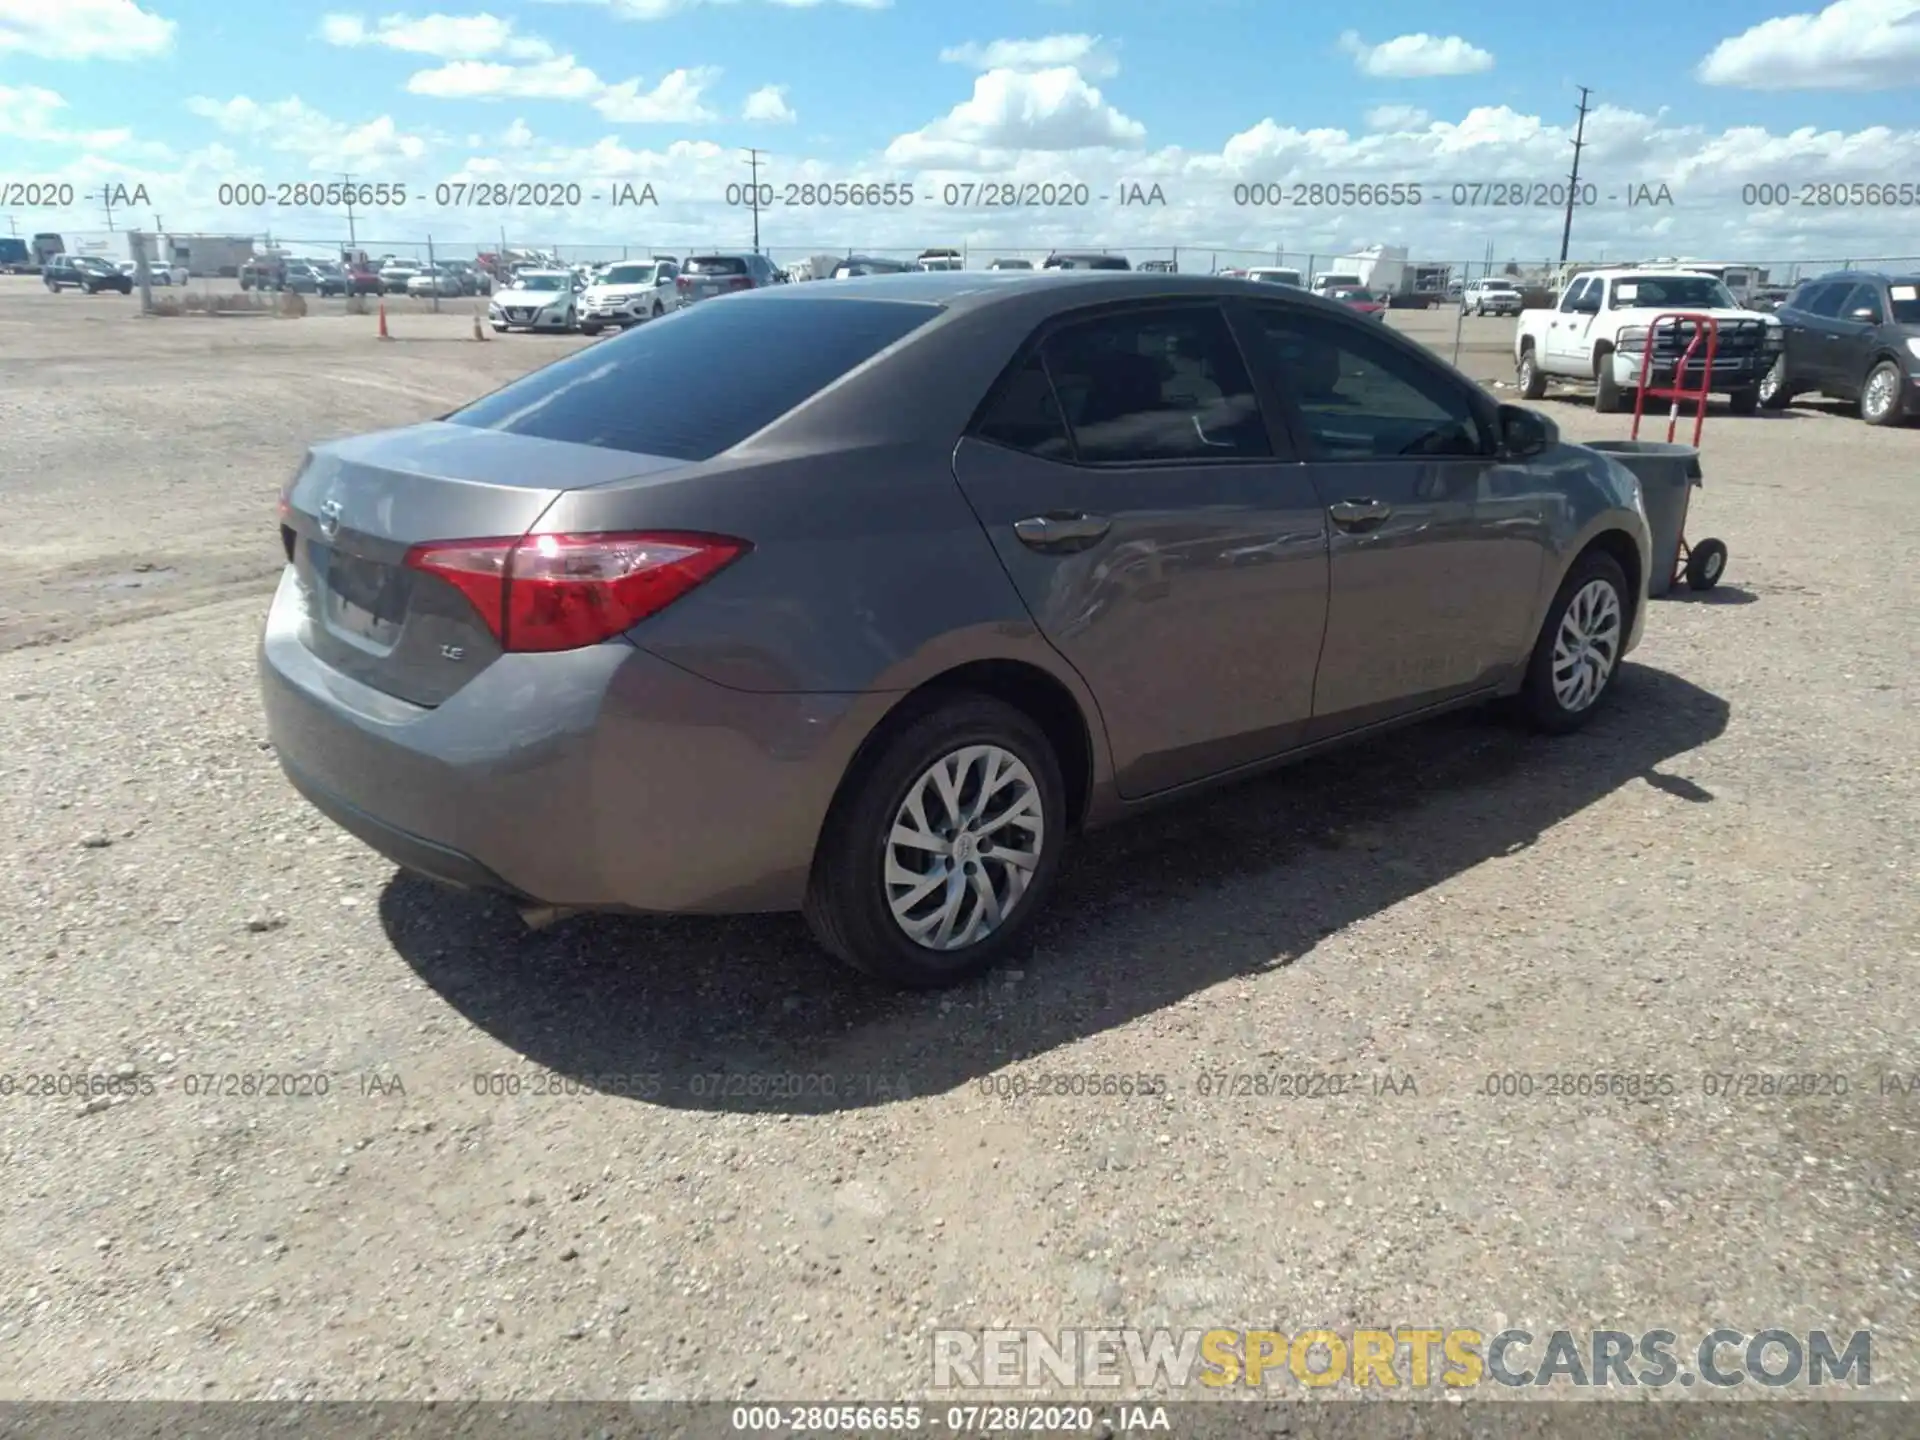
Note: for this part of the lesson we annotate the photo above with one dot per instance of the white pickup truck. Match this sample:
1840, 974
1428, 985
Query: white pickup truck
1598, 332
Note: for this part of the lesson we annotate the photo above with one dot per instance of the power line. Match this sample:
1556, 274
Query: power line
1573, 180
753, 159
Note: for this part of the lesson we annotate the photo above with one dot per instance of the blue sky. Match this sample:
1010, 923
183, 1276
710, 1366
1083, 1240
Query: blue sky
183, 95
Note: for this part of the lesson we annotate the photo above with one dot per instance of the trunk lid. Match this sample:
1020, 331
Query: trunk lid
358, 506
720, 275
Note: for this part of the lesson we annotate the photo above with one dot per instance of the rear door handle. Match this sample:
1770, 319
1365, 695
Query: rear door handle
1359, 514
1061, 530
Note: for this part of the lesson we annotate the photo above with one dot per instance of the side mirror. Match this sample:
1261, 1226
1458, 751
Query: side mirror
1525, 433
1867, 313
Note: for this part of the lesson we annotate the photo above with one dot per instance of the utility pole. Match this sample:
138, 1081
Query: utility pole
13, 225
1573, 180
753, 159
353, 239
106, 199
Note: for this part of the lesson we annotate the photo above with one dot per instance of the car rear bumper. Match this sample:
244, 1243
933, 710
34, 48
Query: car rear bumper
602, 778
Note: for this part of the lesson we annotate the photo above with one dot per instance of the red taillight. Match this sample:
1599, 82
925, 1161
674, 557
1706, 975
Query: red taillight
685, 282
560, 592
740, 282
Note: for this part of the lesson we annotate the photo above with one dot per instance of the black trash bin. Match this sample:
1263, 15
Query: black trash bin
1668, 475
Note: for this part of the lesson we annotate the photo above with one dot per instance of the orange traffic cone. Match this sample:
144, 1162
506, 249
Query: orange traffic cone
383, 321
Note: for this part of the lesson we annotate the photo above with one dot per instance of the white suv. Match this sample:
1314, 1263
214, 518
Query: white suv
1491, 297
627, 292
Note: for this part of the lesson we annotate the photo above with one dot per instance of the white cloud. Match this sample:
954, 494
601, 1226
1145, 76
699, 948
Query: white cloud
1850, 45
562, 78
661, 9
769, 105
1088, 54
1416, 57
445, 37
83, 30
674, 101
33, 115
295, 127
1044, 110
1396, 117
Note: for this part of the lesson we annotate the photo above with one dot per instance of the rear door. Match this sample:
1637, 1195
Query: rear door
1160, 534
1437, 549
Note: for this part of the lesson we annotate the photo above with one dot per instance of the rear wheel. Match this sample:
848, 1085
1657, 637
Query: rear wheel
588, 327
1880, 395
1579, 648
1743, 402
935, 863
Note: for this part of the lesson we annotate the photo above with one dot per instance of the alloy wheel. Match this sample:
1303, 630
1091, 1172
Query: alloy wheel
1877, 398
1587, 646
963, 848
1770, 382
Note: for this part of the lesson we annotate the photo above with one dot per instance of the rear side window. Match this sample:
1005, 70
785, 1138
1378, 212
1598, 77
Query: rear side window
1023, 414
716, 265
1156, 385
1906, 302
700, 380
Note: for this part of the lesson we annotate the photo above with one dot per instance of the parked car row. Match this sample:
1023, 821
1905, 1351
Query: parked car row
1852, 336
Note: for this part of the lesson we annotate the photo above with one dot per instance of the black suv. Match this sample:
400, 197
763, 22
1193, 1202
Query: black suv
1853, 335
84, 272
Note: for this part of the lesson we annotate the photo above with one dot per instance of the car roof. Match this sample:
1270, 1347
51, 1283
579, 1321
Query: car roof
1870, 276
1053, 291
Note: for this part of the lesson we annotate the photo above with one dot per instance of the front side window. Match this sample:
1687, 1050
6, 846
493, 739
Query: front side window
1155, 385
1864, 297
1578, 296
1361, 397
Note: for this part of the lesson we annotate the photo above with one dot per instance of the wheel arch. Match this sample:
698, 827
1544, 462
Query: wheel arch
1028, 688
1620, 547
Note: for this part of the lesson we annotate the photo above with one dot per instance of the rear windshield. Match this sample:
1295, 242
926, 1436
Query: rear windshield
716, 265
699, 381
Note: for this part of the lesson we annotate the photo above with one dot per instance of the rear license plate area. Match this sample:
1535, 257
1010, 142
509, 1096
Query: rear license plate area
362, 600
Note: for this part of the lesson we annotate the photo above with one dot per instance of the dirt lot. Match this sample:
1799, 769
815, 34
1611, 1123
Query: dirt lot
1718, 877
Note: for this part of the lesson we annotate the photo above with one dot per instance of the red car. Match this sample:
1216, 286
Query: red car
1360, 301
362, 281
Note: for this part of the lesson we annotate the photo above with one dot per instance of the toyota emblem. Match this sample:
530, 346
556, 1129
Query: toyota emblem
330, 519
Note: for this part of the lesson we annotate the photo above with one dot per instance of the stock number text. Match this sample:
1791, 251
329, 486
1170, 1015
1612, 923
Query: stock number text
1312, 194
1819, 194
312, 194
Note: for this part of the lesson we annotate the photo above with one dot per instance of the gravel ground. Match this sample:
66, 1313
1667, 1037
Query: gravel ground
1717, 877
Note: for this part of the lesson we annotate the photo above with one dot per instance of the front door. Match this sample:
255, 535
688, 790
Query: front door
1163, 542
1854, 329
1569, 349
1438, 549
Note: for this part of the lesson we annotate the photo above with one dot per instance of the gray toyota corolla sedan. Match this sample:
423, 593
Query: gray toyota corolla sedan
860, 599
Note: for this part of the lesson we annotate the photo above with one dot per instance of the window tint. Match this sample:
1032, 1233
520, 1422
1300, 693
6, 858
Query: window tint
699, 380
1022, 414
1824, 300
716, 265
1906, 302
1864, 297
1155, 385
1363, 398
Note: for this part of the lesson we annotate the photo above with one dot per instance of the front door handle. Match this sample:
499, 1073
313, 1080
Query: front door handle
1061, 530
1359, 514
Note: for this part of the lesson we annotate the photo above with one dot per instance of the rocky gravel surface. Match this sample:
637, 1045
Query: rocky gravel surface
320, 1131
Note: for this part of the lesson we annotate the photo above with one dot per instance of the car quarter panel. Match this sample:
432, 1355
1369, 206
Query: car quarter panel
601, 777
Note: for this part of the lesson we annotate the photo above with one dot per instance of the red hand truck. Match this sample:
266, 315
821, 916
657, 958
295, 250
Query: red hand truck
1703, 564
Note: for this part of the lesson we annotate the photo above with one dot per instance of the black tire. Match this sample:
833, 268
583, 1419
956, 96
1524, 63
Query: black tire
1774, 392
658, 311
1706, 563
1743, 402
587, 327
1533, 384
1890, 414
1537, 703
1608, 397
846, 904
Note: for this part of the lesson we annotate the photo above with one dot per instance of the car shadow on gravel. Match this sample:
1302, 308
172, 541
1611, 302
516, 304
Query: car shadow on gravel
744, 1014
